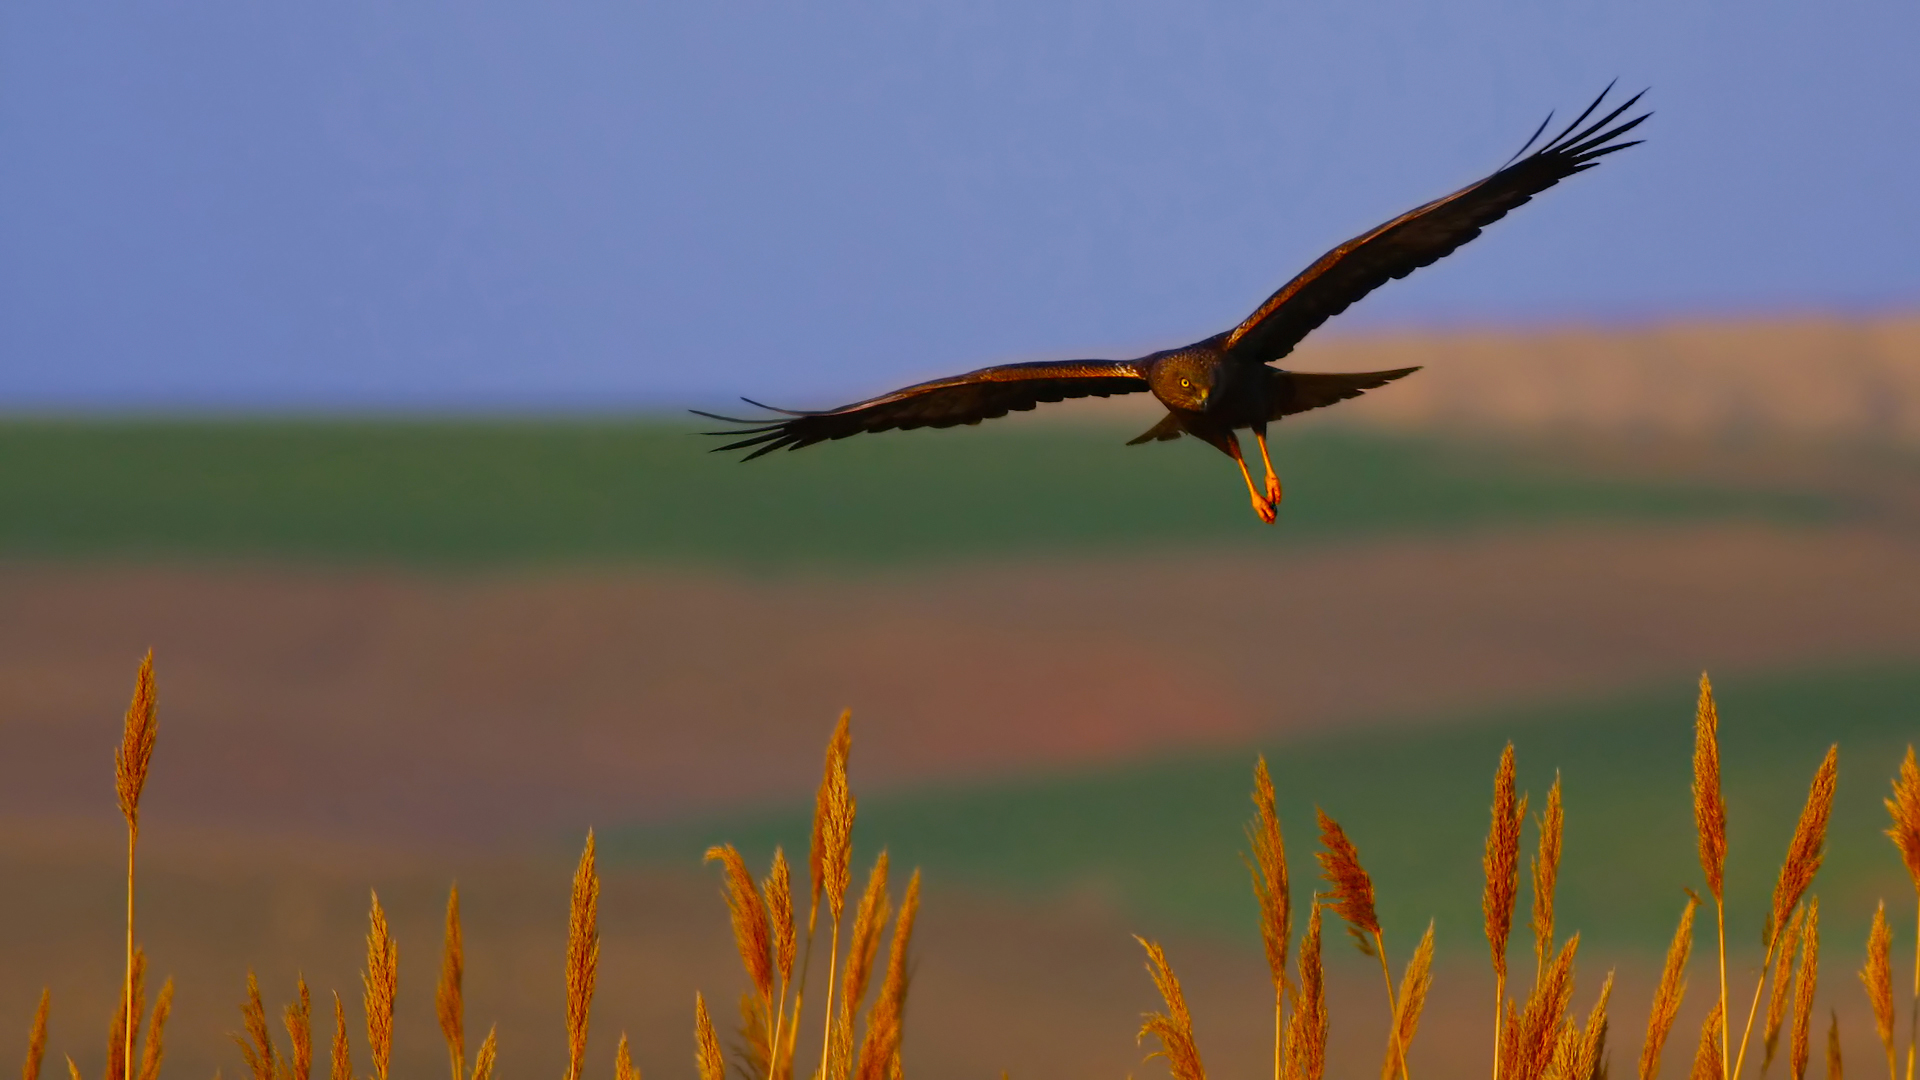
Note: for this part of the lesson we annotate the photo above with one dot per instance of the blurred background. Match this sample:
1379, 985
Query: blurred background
343, 360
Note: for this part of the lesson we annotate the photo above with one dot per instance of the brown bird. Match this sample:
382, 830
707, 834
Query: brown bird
1220, 384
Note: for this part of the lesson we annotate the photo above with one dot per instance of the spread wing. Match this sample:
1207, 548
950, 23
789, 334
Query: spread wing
1298, 391
961, 399
1423, 235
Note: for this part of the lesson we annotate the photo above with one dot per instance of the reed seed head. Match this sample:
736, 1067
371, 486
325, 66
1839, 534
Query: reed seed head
1502, 861
484, 1058
342, 1053
1804, 985
1904, 808
137, 737
1877, 975
1809, 843
1672, 989
1269, 873
778, 889
1788, 947
448, 998
126, 1017
749, 915
1706, 1059
37, 1039
1306, 1039
155, 1049
256, 1043
706, 1044
830, 850
298, 1018
1545, 1012
1709, 808
380, 982
1590, 1062
885, 1022
1352, 893
1414, 984
623, 1062
1546, 875
1174, 1027
864, 946
583, 956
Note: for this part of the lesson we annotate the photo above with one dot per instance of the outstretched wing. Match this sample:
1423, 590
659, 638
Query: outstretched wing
1423, 235
1298, 391
962, 399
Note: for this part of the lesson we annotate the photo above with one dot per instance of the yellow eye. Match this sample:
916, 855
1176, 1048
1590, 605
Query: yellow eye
1184, 382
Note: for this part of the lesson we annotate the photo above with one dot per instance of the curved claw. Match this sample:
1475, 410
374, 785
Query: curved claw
1265, 509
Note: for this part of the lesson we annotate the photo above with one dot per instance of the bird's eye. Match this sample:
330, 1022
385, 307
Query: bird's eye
1186, 382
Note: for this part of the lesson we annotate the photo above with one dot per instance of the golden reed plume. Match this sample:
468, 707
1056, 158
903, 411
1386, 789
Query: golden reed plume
1782, 980
1174, 1028
1529, 1051
1710, 822
381, 981
1502, 865
1877, 975
1268, 869
130, 764
1352, 898
156, 1048
126, 1018
749, 917
1413, 997
583, 956
484, 1057
342, 1054
778, 890
880, 1052
449, 1004
864, 946
1546, 876
1672, 989
256, 1043
298, 1018
706, 1045
1707, 1063
623, 1062
1804, 985
830, 848
1306, 1050
1904, 808
37, 1039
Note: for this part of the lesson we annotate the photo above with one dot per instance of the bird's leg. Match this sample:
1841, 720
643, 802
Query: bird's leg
1260, 504
1273, 479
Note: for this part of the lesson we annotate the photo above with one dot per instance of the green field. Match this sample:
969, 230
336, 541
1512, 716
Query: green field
1162, 841
484, 491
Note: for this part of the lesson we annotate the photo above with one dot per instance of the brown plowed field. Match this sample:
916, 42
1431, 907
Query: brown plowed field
367, 704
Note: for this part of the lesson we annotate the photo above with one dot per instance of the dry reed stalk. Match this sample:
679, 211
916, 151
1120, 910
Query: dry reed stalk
126, 1018
830, 859
886, 1020
1904, 808
1502, 866
1834, 1071
298, 1018
449, 1002
583, 956
37, 1038
342, 1064
1271, 888
749, 916
380, 982
1546, 875
1352, 895
1307, 1029
623, 1062
483, 1058
1804, 985
862, 948
130, 765
155, 1049
778, 894
1804, 855
1174, 1028
1414, 984
1707, 1060
1877, 975
1538, 1028
1782, 980
706, 1045
1710, 821
256, 1043
1673, 988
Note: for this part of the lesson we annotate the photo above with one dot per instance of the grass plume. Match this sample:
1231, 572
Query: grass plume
37, 1037
1502, 866
868, 922
1710, 823
298, 1019
126, 1020
623, 1062
1306, 1050
1707, 1059
881, 1049
380, 982
483, 1058
1669, 994
1904, 809
1782, 981
1174, 1027
1877, 976
706, 1045
131, 762
255, 1041
342, 1063
449, 1002
751, 934
1271, 890
583, 956
1413, 997
829, 850
1546, 877
155, 1048
1805, 982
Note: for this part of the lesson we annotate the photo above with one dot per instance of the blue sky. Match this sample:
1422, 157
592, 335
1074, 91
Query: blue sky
486, 205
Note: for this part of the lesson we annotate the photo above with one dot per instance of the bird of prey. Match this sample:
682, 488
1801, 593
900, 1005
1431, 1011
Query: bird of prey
1222, 383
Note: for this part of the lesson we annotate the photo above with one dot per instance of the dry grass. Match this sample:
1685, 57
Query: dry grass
1536, 1038
1904, 808
1834, 1070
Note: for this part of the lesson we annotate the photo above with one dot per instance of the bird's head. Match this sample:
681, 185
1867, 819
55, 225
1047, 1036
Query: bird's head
1184, 381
